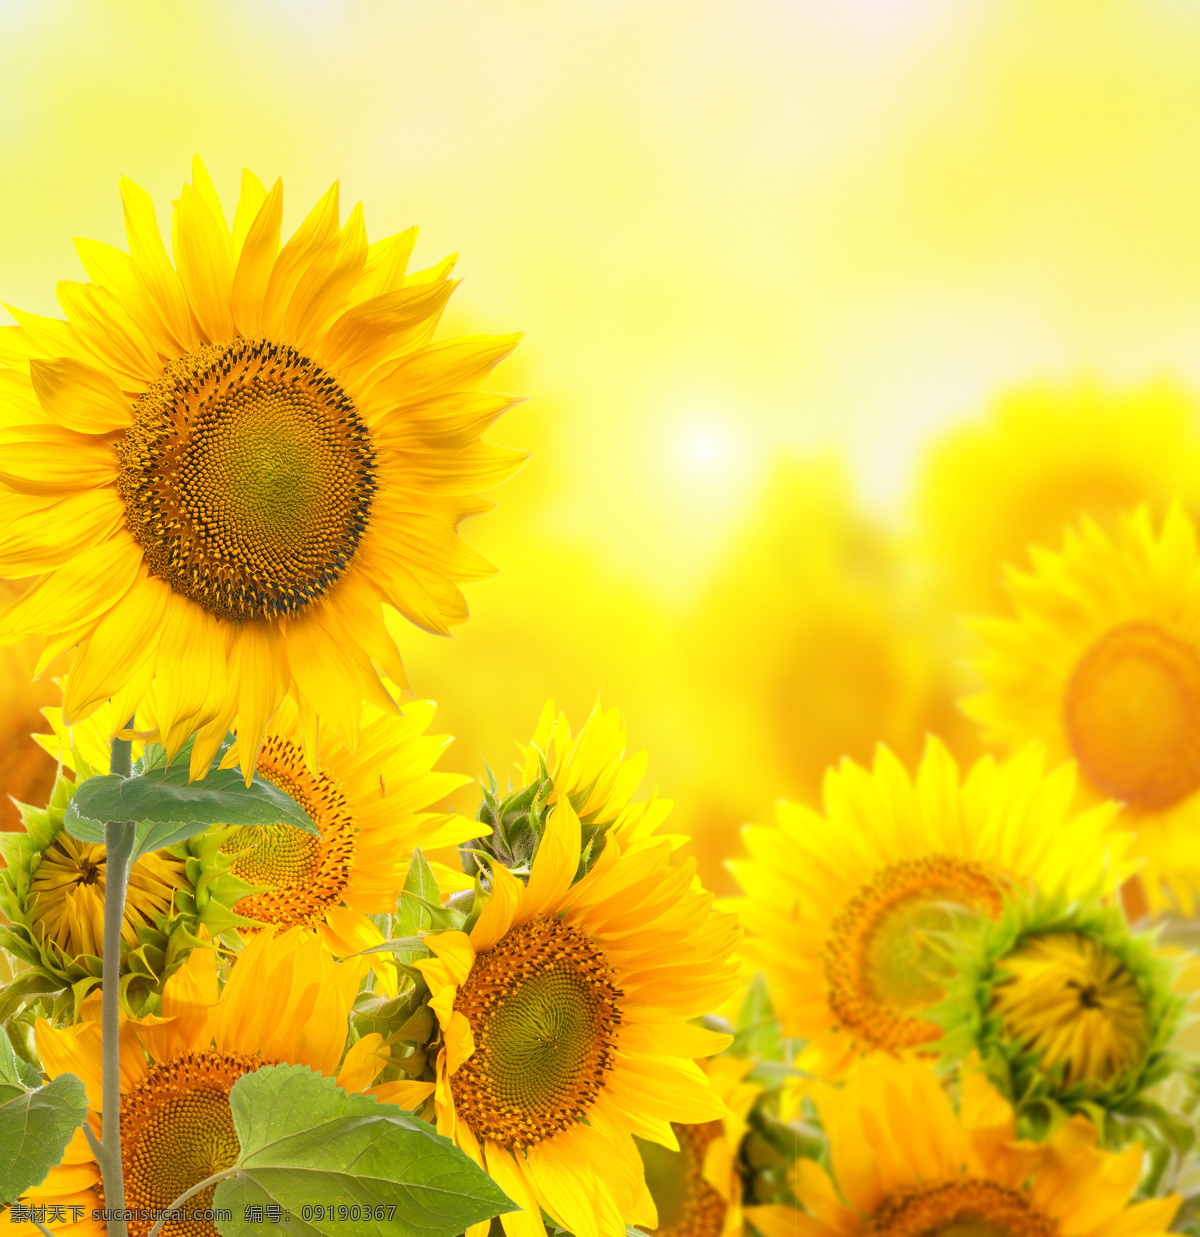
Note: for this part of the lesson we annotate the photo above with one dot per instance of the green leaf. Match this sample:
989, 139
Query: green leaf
167, 809
35, 1125
758, 1029
422, 887
307, 1145
405, 945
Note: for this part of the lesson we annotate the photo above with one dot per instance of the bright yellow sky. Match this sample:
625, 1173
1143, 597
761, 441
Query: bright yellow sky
729, 227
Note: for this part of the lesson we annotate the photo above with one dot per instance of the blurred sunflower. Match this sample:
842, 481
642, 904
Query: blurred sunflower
698, 1189
224, 470
564, 1022
1045, 457
26, 772
904, 1164
1064, 1006
371, 807
1101, 663
846, 912
285, 1002
837, 661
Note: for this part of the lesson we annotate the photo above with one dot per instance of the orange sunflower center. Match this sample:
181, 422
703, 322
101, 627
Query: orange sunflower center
884, 957
542, 1009
1132, 715
304, 876
966, 1207
176, 1130
688, 1206
247, 477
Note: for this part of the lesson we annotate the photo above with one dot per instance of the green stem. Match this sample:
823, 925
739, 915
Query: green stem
200, 1185
118, 845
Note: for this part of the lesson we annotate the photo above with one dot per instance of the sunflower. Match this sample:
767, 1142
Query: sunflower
833, 662
847, 912
223, 472
1101, 663
698, 1189
1065, 1007
286, 1002
371, 807
904, 1164
26, 773
52, 889
1043, 458
564, 1026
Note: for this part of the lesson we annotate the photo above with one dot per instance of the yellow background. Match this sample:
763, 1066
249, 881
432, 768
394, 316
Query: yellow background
735, 233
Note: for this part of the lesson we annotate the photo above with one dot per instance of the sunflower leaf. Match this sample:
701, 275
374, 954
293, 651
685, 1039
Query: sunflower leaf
36, 1124
167, 809
325, 1157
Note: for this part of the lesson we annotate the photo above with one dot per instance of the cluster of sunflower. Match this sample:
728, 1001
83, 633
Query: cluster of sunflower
226, 476
950, 1015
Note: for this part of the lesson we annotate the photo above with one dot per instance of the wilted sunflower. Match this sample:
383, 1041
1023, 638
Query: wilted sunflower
904, 1164
224, 471
371, 807
1101, 663
845, 911
286, 1002
698, 1189
1064, 1006
564, 1022
1044, 457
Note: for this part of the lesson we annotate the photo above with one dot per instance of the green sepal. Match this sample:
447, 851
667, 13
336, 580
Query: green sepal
1042, 1097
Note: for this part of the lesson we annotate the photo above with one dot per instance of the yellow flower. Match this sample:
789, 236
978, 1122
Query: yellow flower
1101, 663
226, 470
1044, 458
698, 1189
592, 771
904, 1164
286, 1002
26, 772
1065, 1008
564, 1021
844, 911
371, 807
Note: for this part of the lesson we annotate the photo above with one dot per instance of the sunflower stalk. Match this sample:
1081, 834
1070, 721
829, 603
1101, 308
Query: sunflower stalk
119, 843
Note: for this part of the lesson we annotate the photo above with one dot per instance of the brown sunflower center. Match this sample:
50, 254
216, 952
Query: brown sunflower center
965, 1207
247, 477
543, 1010
884, 956
1132, 715
66, 900
688, 1206
305, 876
1075, 1003
177, 1129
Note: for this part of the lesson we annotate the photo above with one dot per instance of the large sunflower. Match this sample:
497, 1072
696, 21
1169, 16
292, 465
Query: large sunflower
286, 1002
905, 1164
1043, 458
564, 1024
223, 471
371, 807
1101, 663
844, 910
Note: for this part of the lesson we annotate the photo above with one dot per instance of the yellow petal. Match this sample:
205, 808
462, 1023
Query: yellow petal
79, 397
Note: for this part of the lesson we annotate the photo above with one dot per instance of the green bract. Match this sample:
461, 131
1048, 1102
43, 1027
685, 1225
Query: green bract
1042, 1097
